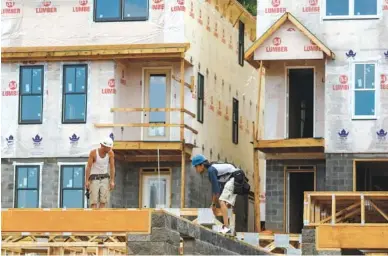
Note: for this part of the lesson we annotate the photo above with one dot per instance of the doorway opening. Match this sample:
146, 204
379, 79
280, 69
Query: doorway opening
298, 181
371, 176
300, 103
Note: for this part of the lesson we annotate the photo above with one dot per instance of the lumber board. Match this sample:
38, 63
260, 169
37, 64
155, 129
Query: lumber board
146, 145
290, 143
75, 220
352, 237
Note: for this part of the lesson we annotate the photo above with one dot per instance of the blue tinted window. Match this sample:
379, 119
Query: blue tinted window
370, 76
75, 88
365, 7
359, 76
27, 187
31, 94
135, 9
365, 94
108, 9
72, 184
157, 97
337, 7
365, 103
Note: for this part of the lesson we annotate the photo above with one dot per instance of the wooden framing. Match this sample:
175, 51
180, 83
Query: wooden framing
302, 145
285, 194
282, 20
182, 134
75, 220
352, 237
94, 52
352, 208
267, 242
291, 156
143, 174
355, 168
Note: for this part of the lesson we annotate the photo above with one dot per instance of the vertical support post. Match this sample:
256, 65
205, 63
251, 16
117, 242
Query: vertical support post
182, 134
333, 210
256, 170
362, 209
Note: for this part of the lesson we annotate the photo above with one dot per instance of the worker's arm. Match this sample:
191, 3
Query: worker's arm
89, 168
215, 184
112, 169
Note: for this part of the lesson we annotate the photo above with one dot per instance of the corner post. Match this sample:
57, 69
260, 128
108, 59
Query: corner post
182, 134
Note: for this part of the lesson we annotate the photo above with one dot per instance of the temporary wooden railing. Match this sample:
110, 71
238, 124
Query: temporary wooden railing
352, 208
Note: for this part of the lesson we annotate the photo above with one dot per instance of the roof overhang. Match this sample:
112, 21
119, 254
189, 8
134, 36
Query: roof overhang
94, 52
249, 54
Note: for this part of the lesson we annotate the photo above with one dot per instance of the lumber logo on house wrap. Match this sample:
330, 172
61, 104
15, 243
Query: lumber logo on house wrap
157, 5
82, 7
276, 7
12, 86
215, 33
46, 7
381, 135
226, 116
277, 47
10, 145
312, 47
179, 6
384, 81
111, 87
74, 139
219, 109
312, 7
11, 9
192, 10
37, 143
200, 16
385, 6
342, 85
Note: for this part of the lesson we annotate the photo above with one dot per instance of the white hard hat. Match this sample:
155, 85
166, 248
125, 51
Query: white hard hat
107, 142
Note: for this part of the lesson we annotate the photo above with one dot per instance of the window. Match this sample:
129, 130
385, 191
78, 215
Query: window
31, 95
351, 8
120, 10
200, 97
235, 122
155, 189
72, 186
241, 30
74, 94
27, 186
364, 90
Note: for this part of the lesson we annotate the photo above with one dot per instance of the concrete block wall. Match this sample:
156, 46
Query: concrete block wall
166, 231
275, 189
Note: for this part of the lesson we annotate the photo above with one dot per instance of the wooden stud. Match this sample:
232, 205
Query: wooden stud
378, 210
182, 134
333, 209
146, 145
362, 209
152, 110
289, 156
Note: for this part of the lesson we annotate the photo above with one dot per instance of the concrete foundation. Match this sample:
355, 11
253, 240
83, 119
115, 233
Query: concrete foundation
166, 231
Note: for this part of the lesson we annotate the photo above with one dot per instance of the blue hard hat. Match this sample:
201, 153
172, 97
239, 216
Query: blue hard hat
198, 159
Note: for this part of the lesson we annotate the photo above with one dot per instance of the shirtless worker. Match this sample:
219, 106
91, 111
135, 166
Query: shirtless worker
98, 180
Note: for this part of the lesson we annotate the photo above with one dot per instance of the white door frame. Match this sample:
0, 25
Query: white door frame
286, 106
145, 191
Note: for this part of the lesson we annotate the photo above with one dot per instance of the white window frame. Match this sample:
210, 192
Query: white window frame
60, 164
15, 165
377, 91
351, 15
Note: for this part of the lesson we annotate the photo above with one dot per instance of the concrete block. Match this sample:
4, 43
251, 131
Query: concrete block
308, 249
138, 238
152, 248
329, 252
207, 235
308, 235
158, 220
165, 235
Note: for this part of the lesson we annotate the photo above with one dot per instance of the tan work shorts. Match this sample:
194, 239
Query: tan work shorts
227, 194
99, 188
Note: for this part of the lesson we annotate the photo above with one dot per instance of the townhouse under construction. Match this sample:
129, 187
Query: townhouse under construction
294, 96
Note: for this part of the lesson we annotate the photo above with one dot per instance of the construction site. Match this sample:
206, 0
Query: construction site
293, 94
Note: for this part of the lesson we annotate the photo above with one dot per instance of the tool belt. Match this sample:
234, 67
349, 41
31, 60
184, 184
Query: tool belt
99, 176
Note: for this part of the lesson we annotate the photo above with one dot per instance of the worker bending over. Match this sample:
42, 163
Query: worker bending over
97, 179
220, 175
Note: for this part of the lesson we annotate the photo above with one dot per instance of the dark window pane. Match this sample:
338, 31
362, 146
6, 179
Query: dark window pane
72, 198
108, 9
80, 79
70, 79
337, 7
135, 9
157, 97
33, 177
26, 82
78, 177
75, 107
27, 199
365, 7
370, 76
359, 75
37, 80
31, 108
67, 177
365, 103
22, 177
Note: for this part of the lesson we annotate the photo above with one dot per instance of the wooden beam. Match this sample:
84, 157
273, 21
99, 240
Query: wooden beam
61, 244
150, 158
146, 145
182, 133
75, 220
152, 110
190, 86
290, 143
379, 210
289, 156
347, 209
352, 237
